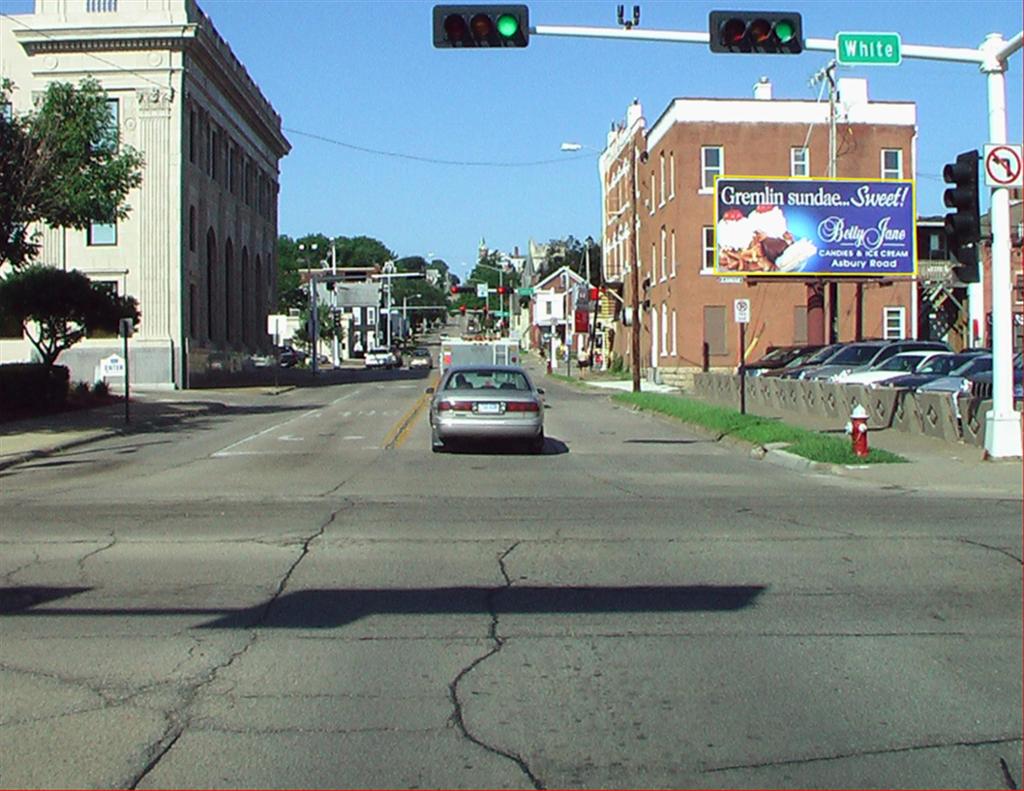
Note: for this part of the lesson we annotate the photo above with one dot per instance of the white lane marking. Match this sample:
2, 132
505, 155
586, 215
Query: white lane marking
354, 436
225, 451
290, 438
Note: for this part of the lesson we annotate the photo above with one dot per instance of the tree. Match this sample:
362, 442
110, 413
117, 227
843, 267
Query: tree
359, 251
63, 165
61, 308
572, 252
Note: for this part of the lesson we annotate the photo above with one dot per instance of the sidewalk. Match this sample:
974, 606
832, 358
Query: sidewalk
933, 464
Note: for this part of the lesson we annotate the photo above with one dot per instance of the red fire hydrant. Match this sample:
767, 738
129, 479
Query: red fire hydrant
857, 428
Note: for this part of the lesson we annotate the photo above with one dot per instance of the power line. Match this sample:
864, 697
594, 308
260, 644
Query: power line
435, 160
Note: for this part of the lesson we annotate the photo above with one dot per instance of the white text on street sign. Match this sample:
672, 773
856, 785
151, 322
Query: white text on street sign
868, 49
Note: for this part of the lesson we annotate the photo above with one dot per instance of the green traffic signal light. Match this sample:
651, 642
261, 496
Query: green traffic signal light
508, 25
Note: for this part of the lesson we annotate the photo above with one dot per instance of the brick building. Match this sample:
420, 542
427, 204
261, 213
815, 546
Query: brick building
686, 309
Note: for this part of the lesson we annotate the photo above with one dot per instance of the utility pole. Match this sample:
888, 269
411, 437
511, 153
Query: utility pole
635, 274
828, 74
335, 355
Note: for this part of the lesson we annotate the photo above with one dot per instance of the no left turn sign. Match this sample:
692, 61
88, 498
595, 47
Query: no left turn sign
1003, 166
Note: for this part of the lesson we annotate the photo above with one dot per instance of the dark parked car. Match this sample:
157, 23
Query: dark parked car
801, 365
935, 368
981, 383
778, 357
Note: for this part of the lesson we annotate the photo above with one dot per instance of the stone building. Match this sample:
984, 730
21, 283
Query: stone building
198, 250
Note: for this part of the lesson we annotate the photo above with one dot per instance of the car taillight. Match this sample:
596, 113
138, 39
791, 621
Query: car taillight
522, 406
456, 406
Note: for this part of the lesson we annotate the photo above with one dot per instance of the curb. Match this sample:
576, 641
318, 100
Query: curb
40, 453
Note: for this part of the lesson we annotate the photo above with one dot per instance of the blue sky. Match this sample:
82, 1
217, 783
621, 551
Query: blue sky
366, 74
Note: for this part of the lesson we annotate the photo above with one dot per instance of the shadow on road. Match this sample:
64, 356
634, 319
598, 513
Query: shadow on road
329, 608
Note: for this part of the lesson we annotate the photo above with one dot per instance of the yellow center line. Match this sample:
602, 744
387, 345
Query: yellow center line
400, 431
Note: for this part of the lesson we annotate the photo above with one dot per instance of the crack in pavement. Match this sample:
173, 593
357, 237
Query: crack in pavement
178, 719
1008, 778
93, 553
453, 688
865, 753
1000, 550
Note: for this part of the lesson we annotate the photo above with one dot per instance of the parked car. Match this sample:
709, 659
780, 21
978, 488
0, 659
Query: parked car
936, 367
421, 358
980, 384
796, 368
862, 355
777, 357
957, 380
897, 365
493, 402
289, 357
379, 358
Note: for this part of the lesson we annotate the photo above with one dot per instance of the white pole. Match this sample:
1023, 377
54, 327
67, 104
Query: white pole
1002, 423
335, 352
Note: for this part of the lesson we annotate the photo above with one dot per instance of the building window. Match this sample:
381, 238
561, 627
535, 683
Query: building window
895, 323
799, 162
102, 234
673, 252
707, 260
664, 329
661, 161
892, 163
712, 163
653, 274
664, 253
653, 193
100, 6
937, 246
675, 334
671, 174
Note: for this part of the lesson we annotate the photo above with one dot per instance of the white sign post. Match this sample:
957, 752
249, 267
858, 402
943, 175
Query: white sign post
741, 312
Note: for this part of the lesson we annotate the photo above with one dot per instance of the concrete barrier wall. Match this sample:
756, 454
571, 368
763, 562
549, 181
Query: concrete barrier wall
932, 414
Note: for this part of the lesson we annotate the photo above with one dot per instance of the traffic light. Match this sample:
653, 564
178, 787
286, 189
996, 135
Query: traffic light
462, 309
463, 289
481, 26
963, 226
769, 32
502, 291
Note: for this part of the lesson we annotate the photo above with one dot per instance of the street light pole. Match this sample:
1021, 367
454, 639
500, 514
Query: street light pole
635, 275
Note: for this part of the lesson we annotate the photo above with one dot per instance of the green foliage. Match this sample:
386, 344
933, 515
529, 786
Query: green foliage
572, 252
57, 309
62, 165
33, 387
300, 253
100, 389
757, 430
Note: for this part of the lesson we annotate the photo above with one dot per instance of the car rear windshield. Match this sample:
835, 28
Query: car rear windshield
854, 355
486, 379
943, 364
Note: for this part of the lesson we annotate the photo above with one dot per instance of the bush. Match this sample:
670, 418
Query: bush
101, 389
24, 385
81, 389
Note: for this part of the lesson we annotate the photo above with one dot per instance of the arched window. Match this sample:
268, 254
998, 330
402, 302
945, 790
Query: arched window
246, 295
258, 288
229, 264
211, 266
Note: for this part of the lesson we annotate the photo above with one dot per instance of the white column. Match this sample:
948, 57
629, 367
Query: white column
1002, 424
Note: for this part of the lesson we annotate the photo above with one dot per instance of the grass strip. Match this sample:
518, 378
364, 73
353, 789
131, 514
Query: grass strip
803, 442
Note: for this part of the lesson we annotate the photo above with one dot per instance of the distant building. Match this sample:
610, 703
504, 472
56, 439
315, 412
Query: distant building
198, 250
686, 309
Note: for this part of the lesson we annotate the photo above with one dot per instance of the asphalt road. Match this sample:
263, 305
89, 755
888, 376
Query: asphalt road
293, 591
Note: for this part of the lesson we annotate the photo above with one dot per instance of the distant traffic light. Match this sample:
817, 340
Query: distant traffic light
963, 226
502, 291
462, 309
481, 26
463, 289
768, 32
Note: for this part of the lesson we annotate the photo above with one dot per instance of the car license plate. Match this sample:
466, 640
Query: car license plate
488, 409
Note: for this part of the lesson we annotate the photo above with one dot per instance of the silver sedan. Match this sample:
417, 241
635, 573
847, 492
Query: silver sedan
485, 402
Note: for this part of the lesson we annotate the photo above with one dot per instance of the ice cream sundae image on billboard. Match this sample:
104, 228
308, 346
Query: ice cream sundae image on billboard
760, 242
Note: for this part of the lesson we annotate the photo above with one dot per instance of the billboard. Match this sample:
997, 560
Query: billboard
809, 228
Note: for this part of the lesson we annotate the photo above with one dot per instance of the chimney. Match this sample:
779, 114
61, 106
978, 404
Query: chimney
763, 89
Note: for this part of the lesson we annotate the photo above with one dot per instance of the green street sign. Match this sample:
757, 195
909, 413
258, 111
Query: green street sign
524, 292
868, 49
